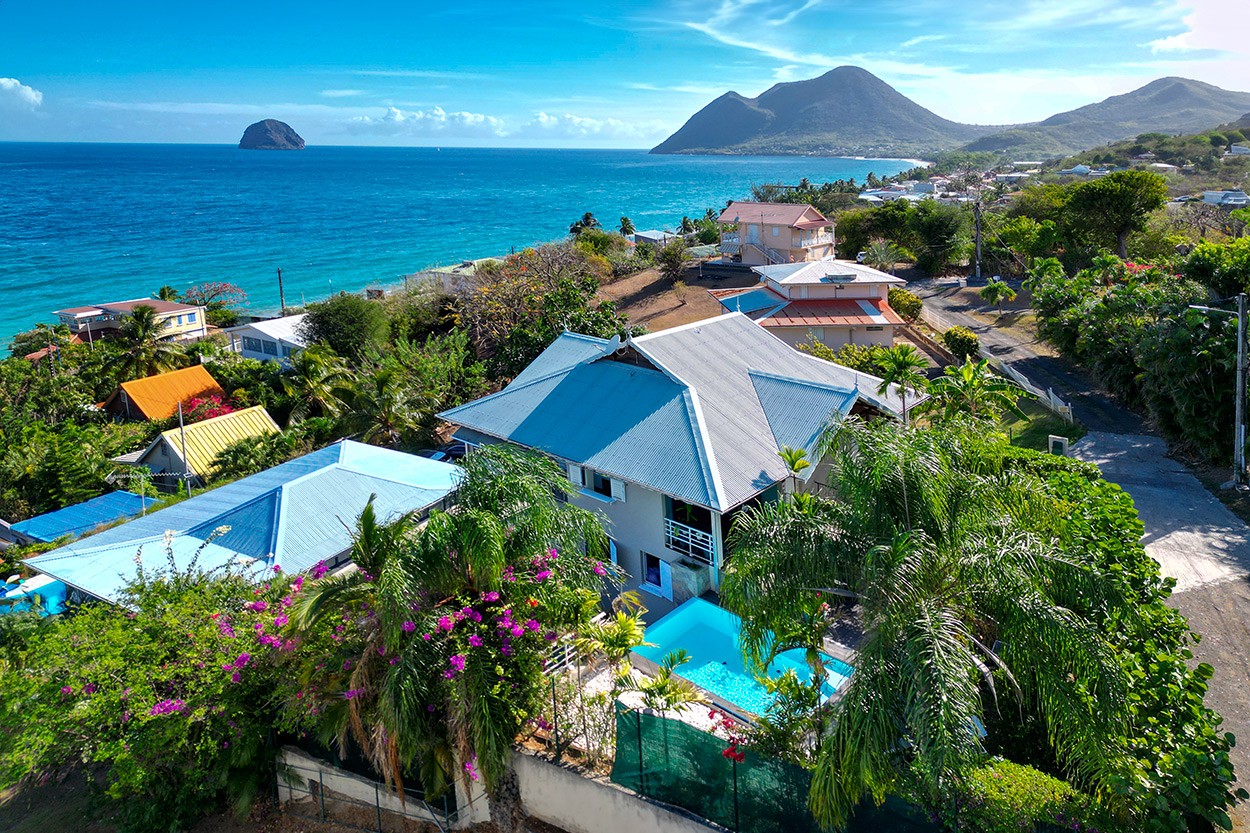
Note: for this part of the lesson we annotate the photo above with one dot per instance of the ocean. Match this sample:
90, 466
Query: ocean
90, 223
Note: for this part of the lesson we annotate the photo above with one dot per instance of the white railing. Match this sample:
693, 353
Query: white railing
730, 237
818, 240
689, 541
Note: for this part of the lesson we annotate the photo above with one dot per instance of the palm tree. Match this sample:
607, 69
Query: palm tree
146, 350
387, 411
618, 635
627, 227
664, 690
902, 365
936, 553
318, 383
508, 515
587, 221
996, 292
973, 389
882, 254
686, 226
167, 293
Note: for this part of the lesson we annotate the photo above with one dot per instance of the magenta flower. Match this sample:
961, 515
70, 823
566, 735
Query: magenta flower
319, 570
551, 553
468, 767
447, 675
532, 625
445, 623
426, 637
456, 661
517, 630
167, 707
600, 570
408, 627
280, 620
276, 569
475, 640
490, 596
394, 660
236, 677
244, 659
89, 688
67, 690
260, 606
352, 693
430, 708
542, 575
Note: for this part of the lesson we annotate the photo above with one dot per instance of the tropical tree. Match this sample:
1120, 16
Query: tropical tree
903, 366
973, 389
387, 411
882, 254
662, 691
627, 227
146, 349
1116, 205
318, 384
438, 638
938, 566
167, 293
686, 226
587, 221
996, 292
673, 259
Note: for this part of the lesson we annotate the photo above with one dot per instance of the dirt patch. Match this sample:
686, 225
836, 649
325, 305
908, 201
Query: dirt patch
648, 299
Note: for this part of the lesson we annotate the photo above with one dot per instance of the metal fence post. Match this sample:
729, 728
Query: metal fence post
641, 779
555, 720
377, 803
321, 790
737, 824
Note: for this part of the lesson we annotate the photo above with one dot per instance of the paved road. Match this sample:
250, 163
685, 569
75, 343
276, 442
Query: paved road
1093, 407
1198, 541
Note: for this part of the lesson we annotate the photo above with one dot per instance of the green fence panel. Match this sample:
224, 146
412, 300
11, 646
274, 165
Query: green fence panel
677, 764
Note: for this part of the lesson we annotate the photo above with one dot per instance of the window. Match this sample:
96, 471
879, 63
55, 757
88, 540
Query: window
286, 351
776, 231
596, 484
252, 345
270, 347
657, 576
875, 329
600, 484
190, 318
178, 320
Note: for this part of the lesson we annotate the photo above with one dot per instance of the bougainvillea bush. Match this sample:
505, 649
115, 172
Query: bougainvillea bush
428, 657
168, 695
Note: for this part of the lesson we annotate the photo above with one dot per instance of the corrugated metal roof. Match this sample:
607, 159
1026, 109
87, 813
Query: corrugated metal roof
700, 428
567, 350
82, 517
157, 397
832, 313
797, 215
634, 423
204, 440
285, 329
294, 515
828, 270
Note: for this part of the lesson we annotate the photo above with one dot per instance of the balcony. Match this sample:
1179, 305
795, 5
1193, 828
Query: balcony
730, 237
825, 239
687, 540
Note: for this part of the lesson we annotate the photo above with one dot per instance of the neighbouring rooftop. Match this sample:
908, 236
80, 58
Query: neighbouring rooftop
82, 517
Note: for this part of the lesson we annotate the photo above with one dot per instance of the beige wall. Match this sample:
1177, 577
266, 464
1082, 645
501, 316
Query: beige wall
573, 802
835, 337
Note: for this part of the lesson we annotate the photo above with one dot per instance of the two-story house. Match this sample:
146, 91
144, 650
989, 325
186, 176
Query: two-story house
669, 435
759, 233
182, 322
835, 302
274, 340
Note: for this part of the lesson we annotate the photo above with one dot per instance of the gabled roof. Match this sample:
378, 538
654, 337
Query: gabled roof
795, 215
293, 515
282, 329
841, 312
698, 412
157, 397
82, 517
122, 307
827, 271
204, 440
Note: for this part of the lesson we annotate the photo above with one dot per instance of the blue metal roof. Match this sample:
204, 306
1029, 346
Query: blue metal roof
798, 411
83, 517
294, 515
752, 301
567, 350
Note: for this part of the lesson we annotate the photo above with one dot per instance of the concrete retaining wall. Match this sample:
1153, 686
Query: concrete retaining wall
578, 804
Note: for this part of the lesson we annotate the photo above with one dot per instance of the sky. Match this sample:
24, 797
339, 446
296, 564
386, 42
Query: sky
538, 73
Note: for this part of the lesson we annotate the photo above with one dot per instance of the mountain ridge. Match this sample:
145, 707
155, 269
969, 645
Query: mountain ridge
850, 111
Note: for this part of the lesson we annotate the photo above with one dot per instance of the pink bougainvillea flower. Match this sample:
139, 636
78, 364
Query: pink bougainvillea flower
475, 640
426, 637
408, 626
490, 596
600, 570
532, 625
280, 620
243, 659
319, 570
542, 575
236, 677
67, 690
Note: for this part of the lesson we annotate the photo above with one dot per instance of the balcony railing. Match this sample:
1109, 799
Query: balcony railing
818, 240
729, 237
687, 540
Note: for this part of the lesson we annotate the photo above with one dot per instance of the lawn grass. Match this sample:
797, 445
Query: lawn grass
1034, 430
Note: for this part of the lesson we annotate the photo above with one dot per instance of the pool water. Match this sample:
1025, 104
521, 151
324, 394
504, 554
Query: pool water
710, 635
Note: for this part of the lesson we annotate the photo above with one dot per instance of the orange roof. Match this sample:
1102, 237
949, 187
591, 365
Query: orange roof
795, 215
833, 313
157, 397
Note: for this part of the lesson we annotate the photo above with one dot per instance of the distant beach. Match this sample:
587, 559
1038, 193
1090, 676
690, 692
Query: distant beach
86, 223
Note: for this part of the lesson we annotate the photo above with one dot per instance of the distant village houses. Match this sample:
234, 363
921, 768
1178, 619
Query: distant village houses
182, 322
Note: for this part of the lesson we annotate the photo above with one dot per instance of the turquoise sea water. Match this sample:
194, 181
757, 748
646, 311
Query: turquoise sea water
88, 223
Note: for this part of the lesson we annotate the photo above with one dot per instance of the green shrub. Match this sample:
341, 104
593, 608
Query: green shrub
862, 357
905, 303
1002, 797
349, 324
962, 342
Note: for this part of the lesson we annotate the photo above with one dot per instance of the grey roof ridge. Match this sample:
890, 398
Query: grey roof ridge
781, 377
711, 472
871, 394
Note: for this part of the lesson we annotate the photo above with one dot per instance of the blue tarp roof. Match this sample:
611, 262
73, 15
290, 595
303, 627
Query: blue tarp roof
293, 515
83, 517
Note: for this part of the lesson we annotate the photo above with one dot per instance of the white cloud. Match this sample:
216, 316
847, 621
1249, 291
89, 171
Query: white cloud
15, 92
420, 73
432, 122
1209, 24
341, 93
569, 126
916, 41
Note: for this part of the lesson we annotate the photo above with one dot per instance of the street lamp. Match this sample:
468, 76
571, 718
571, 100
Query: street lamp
1239, 422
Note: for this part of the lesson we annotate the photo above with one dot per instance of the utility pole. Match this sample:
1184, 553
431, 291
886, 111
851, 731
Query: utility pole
976, 213
1239, 480
281, 294
182, 435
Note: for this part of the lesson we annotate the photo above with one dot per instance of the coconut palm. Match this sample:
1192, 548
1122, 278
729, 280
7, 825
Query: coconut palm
902, 366
934, 553
997, 292
387, 411
662, 691
627, 227
319, 383
146, 349
508, 514
167, 293
587, 221
882, 254
974, 390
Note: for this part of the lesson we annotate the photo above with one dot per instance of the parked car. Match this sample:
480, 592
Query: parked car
454, 450
859, 258
435, 455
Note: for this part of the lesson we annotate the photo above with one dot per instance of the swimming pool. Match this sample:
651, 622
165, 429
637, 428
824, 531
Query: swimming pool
710, 635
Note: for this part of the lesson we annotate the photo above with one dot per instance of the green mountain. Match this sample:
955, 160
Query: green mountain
847, 111
1168, 105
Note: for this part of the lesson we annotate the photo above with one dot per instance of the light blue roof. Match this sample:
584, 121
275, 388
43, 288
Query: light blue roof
566, 351
82, 517
293, 515
753, 301
698, 412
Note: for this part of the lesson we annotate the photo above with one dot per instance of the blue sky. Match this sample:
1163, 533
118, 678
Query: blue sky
552, 74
